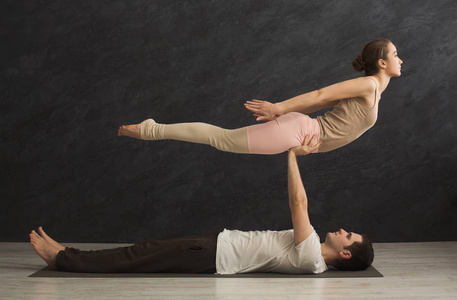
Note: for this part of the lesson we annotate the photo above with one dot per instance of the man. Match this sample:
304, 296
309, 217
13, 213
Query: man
227, 252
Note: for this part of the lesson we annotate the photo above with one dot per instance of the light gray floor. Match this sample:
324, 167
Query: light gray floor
411, 271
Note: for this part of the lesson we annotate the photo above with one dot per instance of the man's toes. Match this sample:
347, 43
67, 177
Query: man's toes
41, 231
32, 239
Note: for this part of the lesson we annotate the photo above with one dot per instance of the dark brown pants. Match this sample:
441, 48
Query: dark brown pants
180, 255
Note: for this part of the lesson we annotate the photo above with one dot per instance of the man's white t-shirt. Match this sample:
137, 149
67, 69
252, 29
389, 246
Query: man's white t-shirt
268, 251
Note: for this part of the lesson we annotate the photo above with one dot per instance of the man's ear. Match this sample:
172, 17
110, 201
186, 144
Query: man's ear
346, 254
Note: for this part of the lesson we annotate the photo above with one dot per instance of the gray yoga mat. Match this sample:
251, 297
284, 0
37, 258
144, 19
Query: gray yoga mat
332, 273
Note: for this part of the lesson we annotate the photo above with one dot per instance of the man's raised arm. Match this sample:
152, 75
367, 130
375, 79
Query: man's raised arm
298, 201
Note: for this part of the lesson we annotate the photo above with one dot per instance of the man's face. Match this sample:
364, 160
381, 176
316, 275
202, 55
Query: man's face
340, 239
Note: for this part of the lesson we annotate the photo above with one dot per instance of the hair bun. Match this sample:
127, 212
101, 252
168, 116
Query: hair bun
358, 64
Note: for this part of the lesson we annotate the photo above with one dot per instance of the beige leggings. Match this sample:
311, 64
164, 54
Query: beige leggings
223, 139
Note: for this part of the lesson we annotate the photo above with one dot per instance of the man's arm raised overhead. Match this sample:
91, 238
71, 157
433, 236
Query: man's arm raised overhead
298, 201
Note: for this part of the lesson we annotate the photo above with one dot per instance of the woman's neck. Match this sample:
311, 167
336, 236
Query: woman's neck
383, 81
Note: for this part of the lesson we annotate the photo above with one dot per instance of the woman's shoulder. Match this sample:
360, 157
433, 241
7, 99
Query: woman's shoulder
369, 86
367, 83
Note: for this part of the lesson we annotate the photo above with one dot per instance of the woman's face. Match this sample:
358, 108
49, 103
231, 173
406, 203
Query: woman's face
392, 65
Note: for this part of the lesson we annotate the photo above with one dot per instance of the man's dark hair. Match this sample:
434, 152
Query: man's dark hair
362, 256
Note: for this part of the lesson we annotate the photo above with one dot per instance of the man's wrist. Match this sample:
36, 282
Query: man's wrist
292, 152
279, 107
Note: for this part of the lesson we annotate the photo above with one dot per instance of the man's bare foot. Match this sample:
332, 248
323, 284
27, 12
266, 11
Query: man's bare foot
48, 239
132, 131
45, 250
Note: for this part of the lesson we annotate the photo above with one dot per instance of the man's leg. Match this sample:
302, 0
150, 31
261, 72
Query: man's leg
180, 255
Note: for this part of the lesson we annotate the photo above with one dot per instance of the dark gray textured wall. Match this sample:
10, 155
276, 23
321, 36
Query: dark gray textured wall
73, 71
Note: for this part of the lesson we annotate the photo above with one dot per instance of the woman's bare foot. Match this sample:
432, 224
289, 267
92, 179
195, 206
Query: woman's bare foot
48, 239
132, 131
45, 250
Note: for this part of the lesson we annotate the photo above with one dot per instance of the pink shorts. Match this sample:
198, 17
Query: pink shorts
287, 131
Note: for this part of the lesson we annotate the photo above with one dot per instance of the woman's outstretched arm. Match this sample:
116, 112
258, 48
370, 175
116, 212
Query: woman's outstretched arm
362, 87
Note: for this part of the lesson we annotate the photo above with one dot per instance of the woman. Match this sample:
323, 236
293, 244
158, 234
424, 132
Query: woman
355, 109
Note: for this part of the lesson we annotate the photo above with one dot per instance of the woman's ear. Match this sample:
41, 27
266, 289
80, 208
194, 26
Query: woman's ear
382, 63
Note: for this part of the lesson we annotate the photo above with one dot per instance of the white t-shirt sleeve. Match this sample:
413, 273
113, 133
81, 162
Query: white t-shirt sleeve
307, 254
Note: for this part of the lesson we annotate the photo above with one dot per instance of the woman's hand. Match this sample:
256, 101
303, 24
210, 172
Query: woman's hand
310, 145
263, 110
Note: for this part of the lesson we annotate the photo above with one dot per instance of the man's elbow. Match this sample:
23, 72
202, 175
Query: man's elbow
298, 203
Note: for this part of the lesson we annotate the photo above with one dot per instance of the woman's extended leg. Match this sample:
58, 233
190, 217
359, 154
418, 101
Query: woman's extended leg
273, 137
223, 139
230, 140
